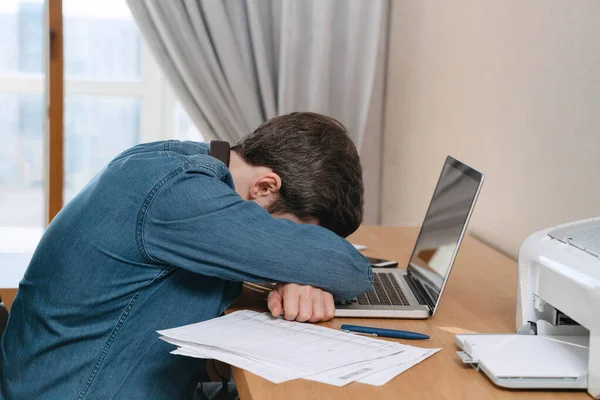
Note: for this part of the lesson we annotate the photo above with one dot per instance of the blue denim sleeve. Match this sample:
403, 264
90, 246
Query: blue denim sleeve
199, 223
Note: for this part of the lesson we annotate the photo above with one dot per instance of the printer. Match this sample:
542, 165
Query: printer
557, 344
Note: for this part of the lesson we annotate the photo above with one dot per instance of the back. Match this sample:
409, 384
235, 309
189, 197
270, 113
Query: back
72, 318
158, 239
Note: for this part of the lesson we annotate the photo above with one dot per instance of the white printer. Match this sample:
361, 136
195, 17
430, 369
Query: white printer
557, 345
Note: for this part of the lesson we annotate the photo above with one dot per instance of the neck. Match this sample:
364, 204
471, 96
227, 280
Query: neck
241, 173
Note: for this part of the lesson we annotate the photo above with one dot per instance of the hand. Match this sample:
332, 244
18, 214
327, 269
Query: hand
301, 303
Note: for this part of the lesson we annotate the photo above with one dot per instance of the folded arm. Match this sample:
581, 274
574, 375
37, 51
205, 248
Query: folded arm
198, 223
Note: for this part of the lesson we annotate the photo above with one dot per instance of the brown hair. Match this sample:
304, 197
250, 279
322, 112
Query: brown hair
318, 165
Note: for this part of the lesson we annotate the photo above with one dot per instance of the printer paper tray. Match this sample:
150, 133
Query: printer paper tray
528, 361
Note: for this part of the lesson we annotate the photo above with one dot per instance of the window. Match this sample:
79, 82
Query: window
21, 125
115, 97
97, 128
184, 127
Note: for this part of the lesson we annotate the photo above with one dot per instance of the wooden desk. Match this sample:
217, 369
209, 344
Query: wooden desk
479, 298
8, 295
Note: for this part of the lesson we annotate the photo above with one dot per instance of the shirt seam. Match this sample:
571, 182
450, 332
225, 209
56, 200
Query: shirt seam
113, 335
142, 214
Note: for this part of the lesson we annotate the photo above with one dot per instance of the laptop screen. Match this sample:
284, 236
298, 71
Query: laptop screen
444, 225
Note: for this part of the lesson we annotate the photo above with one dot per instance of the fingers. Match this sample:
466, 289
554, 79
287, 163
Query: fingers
301, 303
318, 306
307, 300
323, 306
275, 302
290, 301
329, 306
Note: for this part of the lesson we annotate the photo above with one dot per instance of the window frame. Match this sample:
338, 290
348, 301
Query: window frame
157, 118
157, 100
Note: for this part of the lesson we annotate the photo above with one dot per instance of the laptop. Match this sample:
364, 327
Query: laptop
415, 292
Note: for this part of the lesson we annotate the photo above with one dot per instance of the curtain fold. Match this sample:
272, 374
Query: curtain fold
236, 63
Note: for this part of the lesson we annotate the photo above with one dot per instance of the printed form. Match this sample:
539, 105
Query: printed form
280, 350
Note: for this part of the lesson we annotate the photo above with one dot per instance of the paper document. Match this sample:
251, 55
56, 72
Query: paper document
280, 350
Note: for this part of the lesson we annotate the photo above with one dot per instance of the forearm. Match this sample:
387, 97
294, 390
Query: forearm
318, 258
210, 230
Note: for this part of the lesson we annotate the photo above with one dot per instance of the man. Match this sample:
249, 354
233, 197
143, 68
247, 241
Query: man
164, 236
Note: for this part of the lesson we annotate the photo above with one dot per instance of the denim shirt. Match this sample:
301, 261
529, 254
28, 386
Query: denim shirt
159, 238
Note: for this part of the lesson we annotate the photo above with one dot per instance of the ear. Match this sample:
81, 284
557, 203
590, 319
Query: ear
265, 189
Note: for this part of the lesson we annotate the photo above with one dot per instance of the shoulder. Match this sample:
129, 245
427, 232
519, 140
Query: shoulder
168, 166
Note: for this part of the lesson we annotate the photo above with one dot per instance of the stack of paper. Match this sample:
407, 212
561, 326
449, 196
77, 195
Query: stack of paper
280, 350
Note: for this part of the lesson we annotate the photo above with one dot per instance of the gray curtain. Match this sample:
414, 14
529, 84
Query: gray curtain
236, 63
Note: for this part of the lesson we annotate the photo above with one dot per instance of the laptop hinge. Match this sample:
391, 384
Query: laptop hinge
419, 292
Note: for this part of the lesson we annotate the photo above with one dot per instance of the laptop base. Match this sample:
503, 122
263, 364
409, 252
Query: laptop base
370, 312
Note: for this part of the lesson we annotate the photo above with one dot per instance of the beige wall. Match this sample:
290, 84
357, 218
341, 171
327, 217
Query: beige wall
511, 87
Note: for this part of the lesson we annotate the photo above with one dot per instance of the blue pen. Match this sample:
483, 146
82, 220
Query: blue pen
392, 333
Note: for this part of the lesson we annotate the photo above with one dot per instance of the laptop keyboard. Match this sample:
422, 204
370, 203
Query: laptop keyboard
386, 292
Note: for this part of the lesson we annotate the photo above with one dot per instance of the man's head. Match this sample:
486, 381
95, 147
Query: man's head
302, 166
